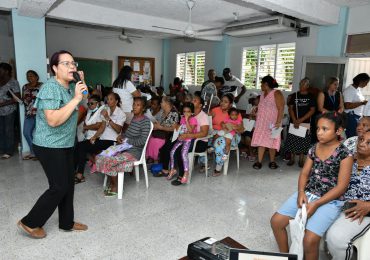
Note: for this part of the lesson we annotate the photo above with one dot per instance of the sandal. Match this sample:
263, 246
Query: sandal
216, 173
27, 157
257, 165
79, 180
290, 163
273, 165
5, 156
109, 194
176, 182
161, 174
171, 174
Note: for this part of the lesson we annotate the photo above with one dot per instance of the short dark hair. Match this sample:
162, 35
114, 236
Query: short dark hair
34, 73
226, 70
220, 79
229, 96
188, 105
156, 98
95, 98
7, 67
233, 109
201, 100
143, 101
339, 119
271, 82
54, 60
360, 78
117, 97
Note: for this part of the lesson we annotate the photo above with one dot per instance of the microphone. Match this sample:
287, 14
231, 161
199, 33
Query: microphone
77, 78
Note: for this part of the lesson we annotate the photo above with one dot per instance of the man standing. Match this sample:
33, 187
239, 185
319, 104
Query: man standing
8, 108
232, 85
209, 90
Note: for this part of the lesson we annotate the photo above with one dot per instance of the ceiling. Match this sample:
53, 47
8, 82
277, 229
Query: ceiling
169, 18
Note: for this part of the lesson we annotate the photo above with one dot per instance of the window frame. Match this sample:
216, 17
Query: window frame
258, 60
195, 79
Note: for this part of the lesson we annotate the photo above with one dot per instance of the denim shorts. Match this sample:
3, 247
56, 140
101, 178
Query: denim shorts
323, 217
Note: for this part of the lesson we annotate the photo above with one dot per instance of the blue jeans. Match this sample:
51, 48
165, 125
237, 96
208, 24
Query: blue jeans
352, 121
7, 133
28, 127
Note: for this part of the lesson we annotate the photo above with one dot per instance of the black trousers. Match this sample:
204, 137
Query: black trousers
58, 166
165, 154
86, 147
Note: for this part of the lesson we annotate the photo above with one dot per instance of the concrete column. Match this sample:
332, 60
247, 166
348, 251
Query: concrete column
30, 53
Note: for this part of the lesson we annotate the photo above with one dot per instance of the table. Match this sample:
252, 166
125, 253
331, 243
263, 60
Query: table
227, 241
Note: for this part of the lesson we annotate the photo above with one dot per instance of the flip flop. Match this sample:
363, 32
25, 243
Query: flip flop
109, 194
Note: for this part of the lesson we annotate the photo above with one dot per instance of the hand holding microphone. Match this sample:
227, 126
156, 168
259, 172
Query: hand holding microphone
77, 78
81, 88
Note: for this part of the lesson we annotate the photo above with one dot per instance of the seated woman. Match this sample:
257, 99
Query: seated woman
354, 219
162, 130
219, 115
362, 126
136, 135
113, 119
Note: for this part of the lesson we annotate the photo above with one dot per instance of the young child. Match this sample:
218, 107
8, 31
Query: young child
323, 180
228, 126
188, 124
250, 151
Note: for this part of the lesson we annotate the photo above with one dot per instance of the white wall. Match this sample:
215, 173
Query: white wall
83, 42
359, 19
6, 40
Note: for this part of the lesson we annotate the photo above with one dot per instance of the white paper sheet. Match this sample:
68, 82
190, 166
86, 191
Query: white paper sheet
248, 124
136, 66
175, 134
126, 63
275, 132
15, 97
301, 131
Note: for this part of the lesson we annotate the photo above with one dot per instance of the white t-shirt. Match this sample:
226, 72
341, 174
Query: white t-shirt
118, 117
92, 119
202, 120
352, 95
125, 93
233, 86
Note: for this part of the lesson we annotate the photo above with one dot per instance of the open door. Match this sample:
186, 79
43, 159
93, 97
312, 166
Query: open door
320, 69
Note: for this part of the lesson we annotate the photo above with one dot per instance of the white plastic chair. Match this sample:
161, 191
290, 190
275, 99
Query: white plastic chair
121, 175
193, 154
362, 244
226, 163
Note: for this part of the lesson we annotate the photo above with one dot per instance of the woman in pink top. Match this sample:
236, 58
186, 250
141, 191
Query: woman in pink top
219, 115
228, 125
269, 116
188, 124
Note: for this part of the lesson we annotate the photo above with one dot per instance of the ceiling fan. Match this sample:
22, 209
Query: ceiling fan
189, 31
123, 37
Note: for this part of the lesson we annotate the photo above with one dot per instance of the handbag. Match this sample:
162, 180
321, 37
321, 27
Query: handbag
305, 125
297, 230
160, 134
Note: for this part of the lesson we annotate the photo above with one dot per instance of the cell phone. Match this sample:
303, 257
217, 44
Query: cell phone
348, 205
77, 78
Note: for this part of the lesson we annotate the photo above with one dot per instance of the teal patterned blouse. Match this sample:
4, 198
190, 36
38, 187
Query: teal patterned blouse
53, 96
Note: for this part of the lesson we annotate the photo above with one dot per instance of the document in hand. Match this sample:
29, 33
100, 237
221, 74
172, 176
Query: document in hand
275, 132
300, 131
248, 124
175, 135
15, 97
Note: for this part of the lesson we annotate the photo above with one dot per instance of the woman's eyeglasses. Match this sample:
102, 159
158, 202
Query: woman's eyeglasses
69, 64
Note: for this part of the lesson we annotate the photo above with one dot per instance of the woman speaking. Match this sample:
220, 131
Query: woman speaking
54, 137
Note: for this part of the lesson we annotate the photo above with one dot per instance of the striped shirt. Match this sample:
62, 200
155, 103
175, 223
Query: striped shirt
137, 133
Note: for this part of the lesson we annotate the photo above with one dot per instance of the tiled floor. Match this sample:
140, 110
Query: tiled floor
157, 223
